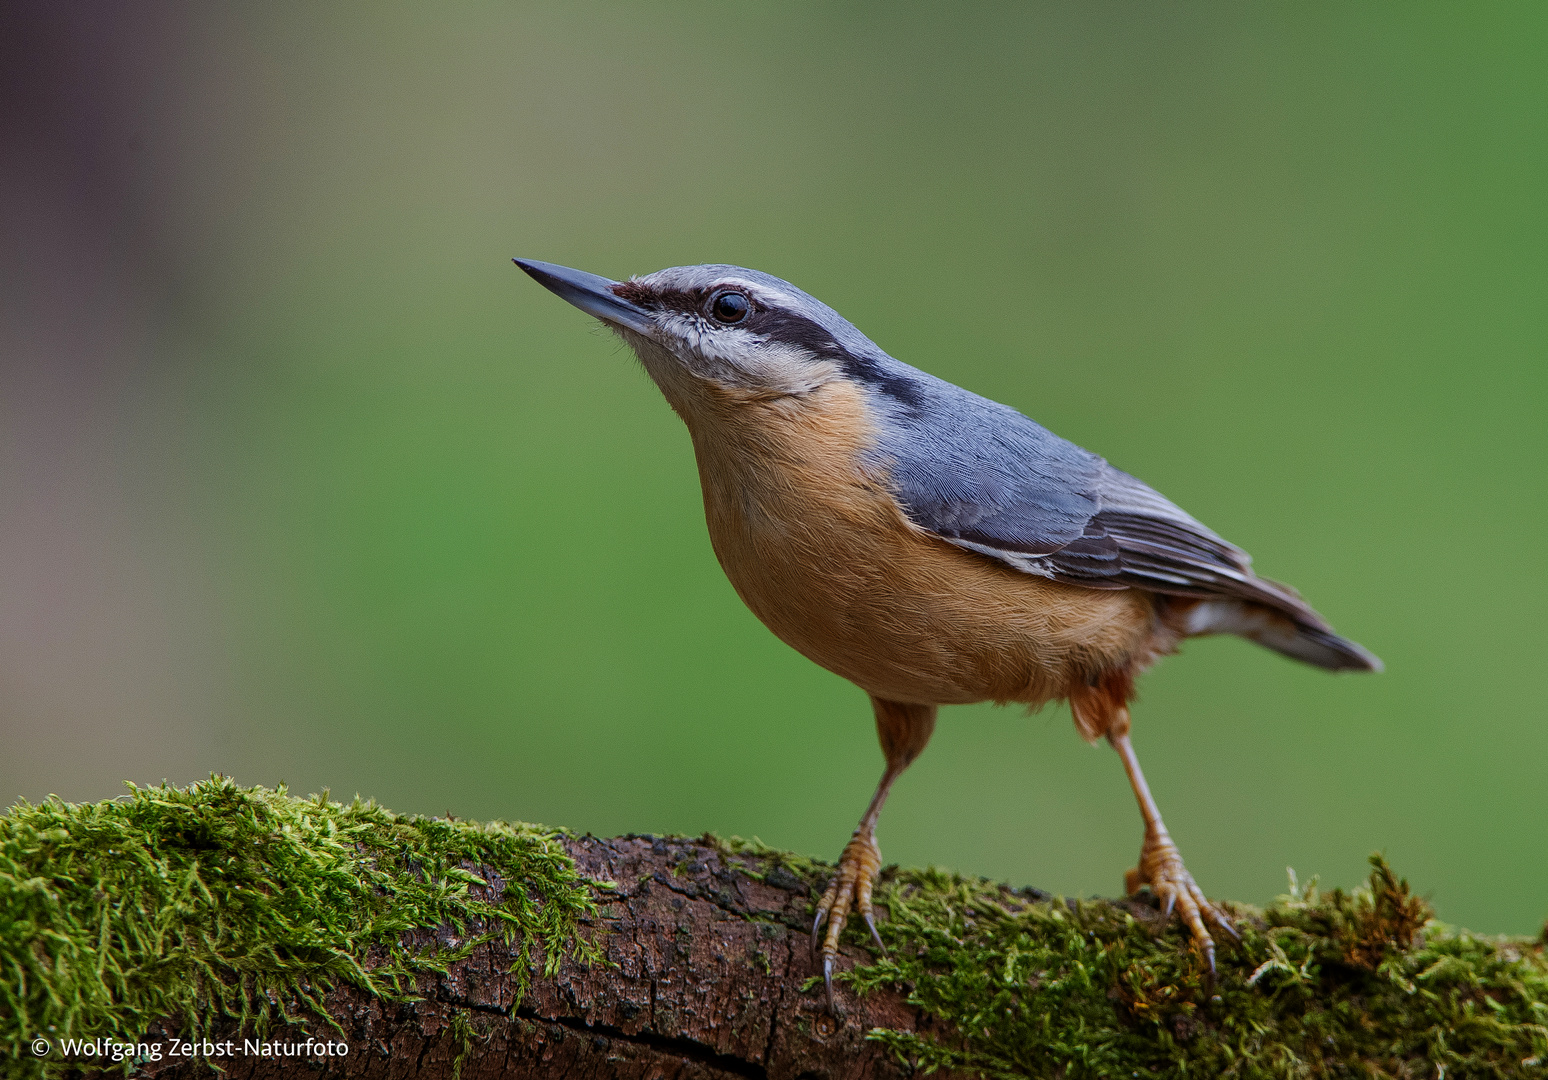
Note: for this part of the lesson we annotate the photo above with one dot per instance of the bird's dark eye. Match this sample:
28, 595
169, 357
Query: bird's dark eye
729, 307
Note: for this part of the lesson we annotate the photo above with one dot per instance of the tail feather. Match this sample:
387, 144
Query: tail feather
1316, 645
1319, 647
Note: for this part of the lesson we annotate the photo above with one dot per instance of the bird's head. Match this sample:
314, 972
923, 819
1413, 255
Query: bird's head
729, 333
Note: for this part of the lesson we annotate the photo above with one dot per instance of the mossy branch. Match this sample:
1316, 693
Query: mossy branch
248, 918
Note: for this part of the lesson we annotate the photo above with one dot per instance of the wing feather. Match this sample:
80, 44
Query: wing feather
996, 482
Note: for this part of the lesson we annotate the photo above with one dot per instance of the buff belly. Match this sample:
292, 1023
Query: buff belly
817, 547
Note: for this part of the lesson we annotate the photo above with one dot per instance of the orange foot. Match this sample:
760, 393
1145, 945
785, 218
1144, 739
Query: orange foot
850, 888
1161, 867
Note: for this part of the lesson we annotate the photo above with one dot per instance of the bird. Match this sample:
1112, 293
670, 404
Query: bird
932, 546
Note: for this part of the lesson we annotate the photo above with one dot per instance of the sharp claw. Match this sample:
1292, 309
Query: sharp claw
817, 930
1216, 914
875, 936
1162, 868
848, 893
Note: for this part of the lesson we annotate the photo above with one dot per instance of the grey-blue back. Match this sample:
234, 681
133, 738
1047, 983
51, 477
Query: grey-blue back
988, 478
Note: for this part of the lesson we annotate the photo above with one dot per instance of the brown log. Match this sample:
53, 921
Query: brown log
703, 982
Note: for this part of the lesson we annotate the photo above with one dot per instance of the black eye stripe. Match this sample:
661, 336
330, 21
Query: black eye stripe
775, 323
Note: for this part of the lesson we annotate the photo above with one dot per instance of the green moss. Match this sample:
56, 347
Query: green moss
757, 860
1360, 985
220, 901
463, 1034
216, 902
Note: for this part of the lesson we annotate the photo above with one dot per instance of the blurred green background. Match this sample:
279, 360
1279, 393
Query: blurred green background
304, 482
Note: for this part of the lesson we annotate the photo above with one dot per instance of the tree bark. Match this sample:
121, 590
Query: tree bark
703, 982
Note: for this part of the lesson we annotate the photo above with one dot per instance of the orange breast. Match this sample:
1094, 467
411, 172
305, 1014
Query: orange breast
821, 553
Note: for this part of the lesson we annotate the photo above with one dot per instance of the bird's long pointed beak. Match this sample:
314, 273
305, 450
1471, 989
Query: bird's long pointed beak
592, 294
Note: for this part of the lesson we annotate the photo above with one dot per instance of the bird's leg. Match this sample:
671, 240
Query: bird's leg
903, 730
851, 886
1160, 865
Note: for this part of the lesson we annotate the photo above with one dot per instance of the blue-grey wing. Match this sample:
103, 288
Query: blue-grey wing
987, 478
982, 475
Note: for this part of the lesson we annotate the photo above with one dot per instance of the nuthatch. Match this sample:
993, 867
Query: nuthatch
932, 546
